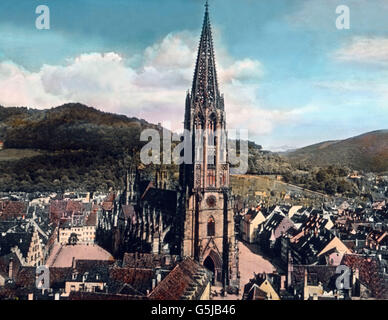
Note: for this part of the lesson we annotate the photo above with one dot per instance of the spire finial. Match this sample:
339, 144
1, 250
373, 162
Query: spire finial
205, 76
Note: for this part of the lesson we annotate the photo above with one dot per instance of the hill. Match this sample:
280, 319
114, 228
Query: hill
367, 152
68, 147
68, 127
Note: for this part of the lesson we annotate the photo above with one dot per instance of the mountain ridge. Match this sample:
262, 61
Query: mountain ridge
367, 152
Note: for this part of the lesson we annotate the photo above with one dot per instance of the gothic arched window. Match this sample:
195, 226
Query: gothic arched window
211, 177
211, 227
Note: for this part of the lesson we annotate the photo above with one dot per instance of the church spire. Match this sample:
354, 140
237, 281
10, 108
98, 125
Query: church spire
205, 86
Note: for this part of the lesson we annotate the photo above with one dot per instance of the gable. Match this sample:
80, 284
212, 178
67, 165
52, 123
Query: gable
259, 219
267, 288
337, 244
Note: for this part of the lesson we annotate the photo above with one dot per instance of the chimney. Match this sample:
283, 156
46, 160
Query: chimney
283, 282
153, 284
305, 277
355, 276
290, 269
10, 269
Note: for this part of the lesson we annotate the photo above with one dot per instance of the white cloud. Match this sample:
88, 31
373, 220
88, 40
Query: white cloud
364, 50
246, 69
19, 87
154, 91
173, 52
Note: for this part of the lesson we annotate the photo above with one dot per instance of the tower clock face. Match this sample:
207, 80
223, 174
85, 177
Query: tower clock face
211, 201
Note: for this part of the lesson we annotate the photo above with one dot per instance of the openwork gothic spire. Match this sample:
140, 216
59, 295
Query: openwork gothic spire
205, 86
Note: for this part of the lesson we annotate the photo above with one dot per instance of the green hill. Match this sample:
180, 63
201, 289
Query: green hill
367, 152
69, 147
68, 127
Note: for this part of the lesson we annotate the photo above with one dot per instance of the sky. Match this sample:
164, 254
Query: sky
288, 74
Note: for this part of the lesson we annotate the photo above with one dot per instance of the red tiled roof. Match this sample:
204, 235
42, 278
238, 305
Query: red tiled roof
140, 279
92, 219
177, 282
74, 207
91, 296
65, 209
107, 206
369, 273
12, 209
58, 275
57, 207
26, 277
57, 210
148, 260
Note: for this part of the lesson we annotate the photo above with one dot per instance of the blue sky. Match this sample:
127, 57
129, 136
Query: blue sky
289, 75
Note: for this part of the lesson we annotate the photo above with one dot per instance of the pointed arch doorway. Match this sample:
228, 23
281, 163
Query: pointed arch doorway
213, 263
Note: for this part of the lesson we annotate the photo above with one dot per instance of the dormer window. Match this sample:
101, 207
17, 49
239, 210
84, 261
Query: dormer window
85, 276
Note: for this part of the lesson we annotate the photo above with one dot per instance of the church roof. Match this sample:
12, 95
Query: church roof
162, 199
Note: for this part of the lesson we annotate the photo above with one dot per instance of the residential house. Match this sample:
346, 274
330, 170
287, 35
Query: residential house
83, 228
249, 224
26, 245
189, 280
312, 282
11, 210
263, 287
377, 240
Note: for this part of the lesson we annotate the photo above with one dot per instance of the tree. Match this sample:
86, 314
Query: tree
73, 239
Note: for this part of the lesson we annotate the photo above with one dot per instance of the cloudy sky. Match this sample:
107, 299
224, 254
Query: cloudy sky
288, 74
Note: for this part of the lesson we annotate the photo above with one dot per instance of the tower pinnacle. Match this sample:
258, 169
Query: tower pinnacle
205, 86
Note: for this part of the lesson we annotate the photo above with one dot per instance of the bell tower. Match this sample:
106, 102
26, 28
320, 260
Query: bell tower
207, 204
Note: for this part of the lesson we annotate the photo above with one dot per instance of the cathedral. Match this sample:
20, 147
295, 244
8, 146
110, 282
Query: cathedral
209, 235
196, 218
